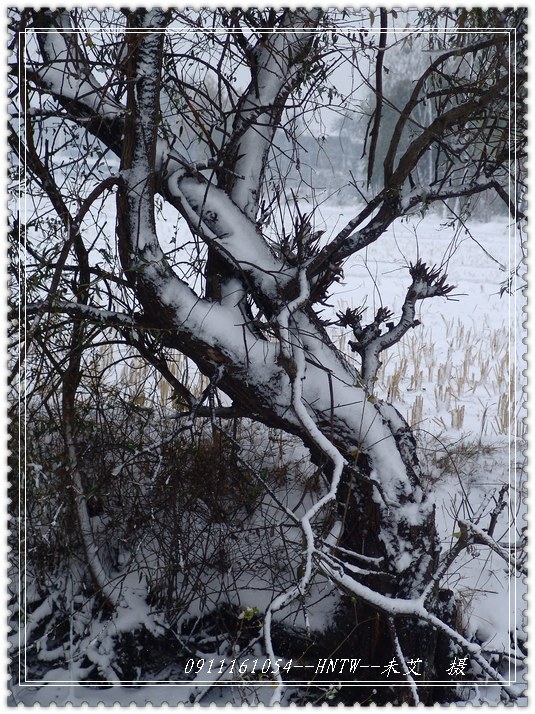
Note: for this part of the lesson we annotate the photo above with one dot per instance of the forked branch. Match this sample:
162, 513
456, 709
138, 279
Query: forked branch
371, 340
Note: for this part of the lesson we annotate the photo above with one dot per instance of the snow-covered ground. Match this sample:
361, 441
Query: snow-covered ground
457, 378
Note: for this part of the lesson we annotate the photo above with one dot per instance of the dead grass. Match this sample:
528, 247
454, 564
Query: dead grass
443, 459
140, 382
470, 374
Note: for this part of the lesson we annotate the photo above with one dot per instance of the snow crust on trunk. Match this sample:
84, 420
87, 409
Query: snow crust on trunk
223, 221
332, 390
273, 78
63, 81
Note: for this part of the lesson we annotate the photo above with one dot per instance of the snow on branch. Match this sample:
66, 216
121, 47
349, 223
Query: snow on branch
371, 340
215, 217
427, 282
66, 73
89, 313
215, 331
65, 70
394, 607
401, 657
222, 225
294, 355
276, 67
478, 536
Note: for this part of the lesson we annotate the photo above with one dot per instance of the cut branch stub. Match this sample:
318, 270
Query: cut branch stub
350, 318
370, 340
428, 282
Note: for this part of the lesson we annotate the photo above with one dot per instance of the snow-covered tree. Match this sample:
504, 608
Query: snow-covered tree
129, 122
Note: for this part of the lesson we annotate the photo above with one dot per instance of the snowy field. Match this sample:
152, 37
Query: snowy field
457, 378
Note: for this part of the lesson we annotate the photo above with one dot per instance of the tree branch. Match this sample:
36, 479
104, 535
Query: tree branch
277, 63
378, 91
370, 340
